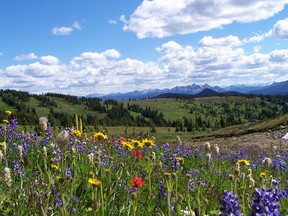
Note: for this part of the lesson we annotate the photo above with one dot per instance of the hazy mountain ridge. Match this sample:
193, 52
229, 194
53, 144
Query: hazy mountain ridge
276, 88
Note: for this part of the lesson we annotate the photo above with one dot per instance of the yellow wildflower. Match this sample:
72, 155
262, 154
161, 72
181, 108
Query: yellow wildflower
8, 112
60, 179
2, 144
148, 142
136, 143
123, 143
107, 170
263, 174
244, 162
6, 121
100, 136
94, 182
180, 159
76, 133
53, 166
231, 176
128, 145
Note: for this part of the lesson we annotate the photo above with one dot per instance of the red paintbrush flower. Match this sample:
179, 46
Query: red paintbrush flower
137, 154
122, 139
137, 182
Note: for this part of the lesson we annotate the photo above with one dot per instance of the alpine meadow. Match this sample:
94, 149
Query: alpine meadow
156, 156
144, 108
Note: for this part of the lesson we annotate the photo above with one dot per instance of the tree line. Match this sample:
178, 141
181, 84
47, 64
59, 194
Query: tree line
202, 116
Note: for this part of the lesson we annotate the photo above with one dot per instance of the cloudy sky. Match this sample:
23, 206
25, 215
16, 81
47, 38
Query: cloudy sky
81, 47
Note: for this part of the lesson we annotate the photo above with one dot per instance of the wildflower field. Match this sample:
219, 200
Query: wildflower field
74, 173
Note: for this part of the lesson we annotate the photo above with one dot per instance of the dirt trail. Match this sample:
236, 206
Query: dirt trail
270, 142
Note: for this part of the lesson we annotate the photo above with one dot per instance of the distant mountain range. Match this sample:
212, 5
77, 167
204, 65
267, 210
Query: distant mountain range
276, 88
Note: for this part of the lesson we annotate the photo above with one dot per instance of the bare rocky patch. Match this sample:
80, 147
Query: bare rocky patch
255, 144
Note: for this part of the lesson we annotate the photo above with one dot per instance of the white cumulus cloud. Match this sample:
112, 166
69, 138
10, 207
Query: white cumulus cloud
112, 53
49, 60
29, 56
216, 61
224, 41
161, 18
280, 29
66, 30
280, 56
62, 30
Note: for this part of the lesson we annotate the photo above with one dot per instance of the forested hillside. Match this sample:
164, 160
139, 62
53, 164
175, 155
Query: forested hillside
184, 114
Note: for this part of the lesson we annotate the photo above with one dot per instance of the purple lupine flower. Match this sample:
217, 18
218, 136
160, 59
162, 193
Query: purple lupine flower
133, 189
174, 162
56, 155
266, 202
242, 154
165, 157
277, 192
191, 185
166, 153
218, 172
194, 172
1, 131
229, 205
72, 210
48, 135
197, 153
74, 199
162, 189
187, 152
26, 140
59, 203
285, 192
104, 159
68, 174
49, 132
12, 129
122, 184
80, 147
278, 164
178, 151
17, 169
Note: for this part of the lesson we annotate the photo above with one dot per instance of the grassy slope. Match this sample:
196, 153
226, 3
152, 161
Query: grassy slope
62, 106
172, 109
5, 106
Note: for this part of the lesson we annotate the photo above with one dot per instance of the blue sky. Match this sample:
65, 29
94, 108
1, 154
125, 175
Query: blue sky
81, 47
